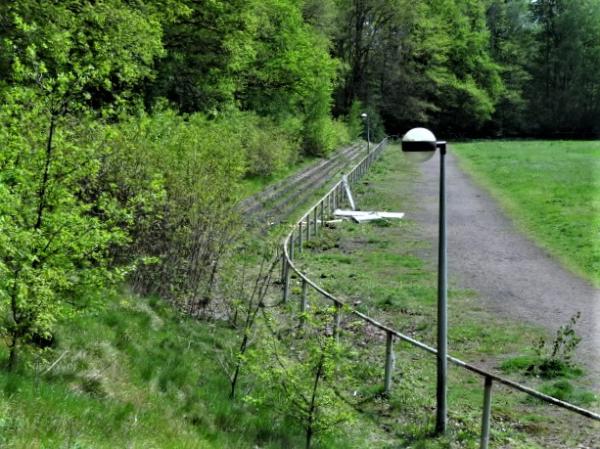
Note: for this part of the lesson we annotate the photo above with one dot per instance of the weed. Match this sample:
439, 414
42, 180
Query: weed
551, 360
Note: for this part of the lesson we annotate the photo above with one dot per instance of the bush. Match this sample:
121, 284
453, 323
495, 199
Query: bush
183, 173
268, 147
324, 135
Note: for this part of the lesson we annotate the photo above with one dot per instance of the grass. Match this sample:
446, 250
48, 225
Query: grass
381, 272
136, 375
551, 189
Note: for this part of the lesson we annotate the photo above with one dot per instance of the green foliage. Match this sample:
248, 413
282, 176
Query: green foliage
198, 164
76, 53
55, 241
303, 376
354, 121
262, 57
565, 82
512, 45
268, 147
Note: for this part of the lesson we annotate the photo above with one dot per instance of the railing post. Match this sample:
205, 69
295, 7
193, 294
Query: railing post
487, 413
303, 302
389, 363
333, 200
337, 321
291, 249
322, 214
282, 277
308, 226
315, 228
286, 282
300, 236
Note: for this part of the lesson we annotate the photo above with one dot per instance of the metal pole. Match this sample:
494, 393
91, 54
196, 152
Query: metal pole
368, 135
389, 363
303, 302
442, 336
282, 277
292, 246
315, 221
308, 226
337, 321
334, 200
487, 413
300, 236
322, 213
286, 283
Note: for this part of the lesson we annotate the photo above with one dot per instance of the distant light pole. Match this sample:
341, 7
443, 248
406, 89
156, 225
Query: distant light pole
420, 145
365, 117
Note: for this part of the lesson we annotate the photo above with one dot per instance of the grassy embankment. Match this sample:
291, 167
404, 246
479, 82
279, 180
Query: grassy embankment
551, 189
139, 375
378, 267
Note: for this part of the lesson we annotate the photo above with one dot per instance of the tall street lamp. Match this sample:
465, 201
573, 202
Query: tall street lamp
420, 145
366, 119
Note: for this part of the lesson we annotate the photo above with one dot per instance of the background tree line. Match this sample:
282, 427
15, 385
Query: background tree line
473, 67
128, 128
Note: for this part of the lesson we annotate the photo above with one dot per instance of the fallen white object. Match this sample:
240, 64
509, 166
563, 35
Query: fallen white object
360, 216
348, 192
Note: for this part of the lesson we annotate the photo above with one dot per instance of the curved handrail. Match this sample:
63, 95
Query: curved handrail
329, 201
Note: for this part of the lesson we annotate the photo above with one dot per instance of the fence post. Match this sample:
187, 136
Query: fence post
337, 321
282, 277
308, 226
300, 236
322, 214
389, 363
487, 413
315, 227
291, 249
332, 203
286, 282
303, 302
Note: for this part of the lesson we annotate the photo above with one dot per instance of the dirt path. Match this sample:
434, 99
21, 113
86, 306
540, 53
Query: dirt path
514, 277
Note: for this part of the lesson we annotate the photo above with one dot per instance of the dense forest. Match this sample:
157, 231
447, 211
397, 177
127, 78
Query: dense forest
128, 127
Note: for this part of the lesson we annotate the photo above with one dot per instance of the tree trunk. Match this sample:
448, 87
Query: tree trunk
12, 358
313, 403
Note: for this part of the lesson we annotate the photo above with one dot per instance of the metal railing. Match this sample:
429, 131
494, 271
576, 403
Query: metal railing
308, 225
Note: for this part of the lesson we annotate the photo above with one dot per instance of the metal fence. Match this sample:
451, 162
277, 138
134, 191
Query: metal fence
309, 225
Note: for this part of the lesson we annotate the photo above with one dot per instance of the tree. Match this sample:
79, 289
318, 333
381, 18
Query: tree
424, 63
302, 375
512, 46
64, 64
564, 93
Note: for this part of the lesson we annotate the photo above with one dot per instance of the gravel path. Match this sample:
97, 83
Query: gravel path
514, 277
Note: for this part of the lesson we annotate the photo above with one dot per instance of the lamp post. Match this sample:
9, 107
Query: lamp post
365, 117
420, 145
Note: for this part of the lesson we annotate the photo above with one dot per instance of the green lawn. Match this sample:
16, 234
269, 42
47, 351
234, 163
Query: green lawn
550, 188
